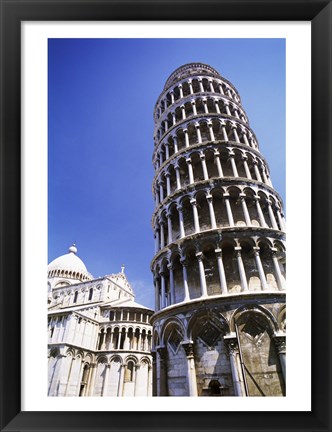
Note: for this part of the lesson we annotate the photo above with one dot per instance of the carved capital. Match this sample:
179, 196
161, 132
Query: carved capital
162, 351
189, 348
232, 345
280, 344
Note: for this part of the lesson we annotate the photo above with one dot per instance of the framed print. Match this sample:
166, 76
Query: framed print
46, 41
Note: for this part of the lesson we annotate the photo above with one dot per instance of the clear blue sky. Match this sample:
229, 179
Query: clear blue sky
101, 96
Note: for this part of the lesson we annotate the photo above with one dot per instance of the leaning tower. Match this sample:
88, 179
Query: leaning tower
219, 263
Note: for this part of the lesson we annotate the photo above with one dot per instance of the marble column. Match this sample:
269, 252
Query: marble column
191, 371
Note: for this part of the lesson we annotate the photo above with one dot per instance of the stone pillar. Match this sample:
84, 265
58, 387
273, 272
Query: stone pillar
178, 177
260, 269
211, 211
198, 131
181, 223
260, 212
185, 279
190, 86
172, 96
150, 380
258, 174
236, 136
162, 236
224, 133
169, 225
200, 81
168, 183
191, 372
222, 276
183, 111
92, 379
271, 214
211, 86
181, 91
279, 276
121, 380
174, 118
237, 375
193, 103
186, 137
157, 294
137, 380
246, 168
245, 138
162, 388
281, 220
190, 171
210, 126
175, 143
204, 168
163, 289
171, 283
195, 215
201, 269
243, 277
245, 209
221, 89
227, 109
218, 163
105, 385
231, 157
229, 210
205, 106
167, 150
280, 344
216, 103
161, 190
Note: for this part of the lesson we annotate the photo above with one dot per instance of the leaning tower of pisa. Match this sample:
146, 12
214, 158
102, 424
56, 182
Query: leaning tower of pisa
219, 263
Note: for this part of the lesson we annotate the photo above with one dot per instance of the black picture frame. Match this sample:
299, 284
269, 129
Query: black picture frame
13, 12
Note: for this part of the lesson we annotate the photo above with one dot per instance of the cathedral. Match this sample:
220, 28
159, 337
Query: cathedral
99, 338
219, 325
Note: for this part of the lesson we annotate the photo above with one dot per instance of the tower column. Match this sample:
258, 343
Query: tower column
271, 214
217, 161
280, 344
246, 168
211, 211
204, 168
186, 137
181, 223
168, 183
190, 171
195, 215
237, 375
223, 129
229, 210
258, 174
178, 178
169, 224
210, 126
198, 131
260, 213
171, 282
243, 277
245, 209
222, 276
260, 269
191, 371
193, 103
279, 277
185, 279
175, 143
163, 289
199, 256
231, 158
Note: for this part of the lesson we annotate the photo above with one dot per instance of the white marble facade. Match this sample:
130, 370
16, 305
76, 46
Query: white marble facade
99, 338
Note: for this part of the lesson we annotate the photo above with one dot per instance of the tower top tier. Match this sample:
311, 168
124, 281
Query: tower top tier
188, 70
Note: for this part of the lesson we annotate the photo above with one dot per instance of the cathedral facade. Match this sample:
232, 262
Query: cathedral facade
219, 263
99, 338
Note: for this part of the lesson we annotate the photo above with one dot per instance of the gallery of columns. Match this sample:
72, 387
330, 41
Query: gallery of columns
219, 228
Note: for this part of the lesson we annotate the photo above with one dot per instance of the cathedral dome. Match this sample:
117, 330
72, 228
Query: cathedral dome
69, 266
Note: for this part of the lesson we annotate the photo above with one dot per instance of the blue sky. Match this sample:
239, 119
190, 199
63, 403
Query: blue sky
101, 96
